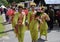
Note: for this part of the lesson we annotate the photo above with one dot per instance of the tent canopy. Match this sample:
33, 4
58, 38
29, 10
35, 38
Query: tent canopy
52, 1
2, 6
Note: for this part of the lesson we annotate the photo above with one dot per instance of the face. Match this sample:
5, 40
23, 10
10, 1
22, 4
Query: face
32, 7
20, 9
42, 10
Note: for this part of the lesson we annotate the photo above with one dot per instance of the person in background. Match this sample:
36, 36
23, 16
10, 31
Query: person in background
10, 13
0, 10
26, 11
7, 17
58, 16
3, 13
51, 15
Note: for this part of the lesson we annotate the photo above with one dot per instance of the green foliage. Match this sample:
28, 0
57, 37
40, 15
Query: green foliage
7, 2
3, 2
10, 1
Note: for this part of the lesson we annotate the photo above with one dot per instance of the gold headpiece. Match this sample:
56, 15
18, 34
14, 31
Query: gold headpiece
32, 4
21, 4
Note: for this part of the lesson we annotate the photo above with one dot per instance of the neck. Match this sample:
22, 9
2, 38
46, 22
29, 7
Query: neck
33, 10
20, 11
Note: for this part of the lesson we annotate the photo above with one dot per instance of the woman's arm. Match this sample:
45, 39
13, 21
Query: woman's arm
47, 17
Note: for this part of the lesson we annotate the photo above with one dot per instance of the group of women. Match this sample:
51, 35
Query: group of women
35, 20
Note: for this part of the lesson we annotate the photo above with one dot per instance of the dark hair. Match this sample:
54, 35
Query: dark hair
12, 8
15, 5
42, 8
20, 7
32, 6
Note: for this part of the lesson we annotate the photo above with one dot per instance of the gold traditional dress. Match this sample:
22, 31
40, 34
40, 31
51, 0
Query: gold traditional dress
21, 28
43, 25
33, 26
34, 29
19, 25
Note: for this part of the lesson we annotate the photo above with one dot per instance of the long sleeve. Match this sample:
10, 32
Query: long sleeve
24, 20
28, 17
15, 19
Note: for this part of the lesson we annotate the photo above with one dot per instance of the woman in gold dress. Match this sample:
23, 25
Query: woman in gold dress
43, 23
33, 24
19, 24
